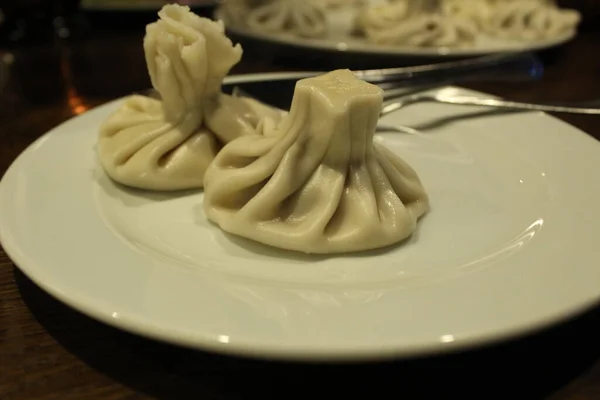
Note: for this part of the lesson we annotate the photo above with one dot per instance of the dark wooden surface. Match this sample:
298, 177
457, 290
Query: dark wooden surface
48, 351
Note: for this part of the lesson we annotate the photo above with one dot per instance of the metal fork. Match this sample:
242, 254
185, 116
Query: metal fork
451, 96
412, 85
277, 89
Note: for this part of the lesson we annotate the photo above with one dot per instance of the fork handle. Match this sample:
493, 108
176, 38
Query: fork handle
514, 105
508, 67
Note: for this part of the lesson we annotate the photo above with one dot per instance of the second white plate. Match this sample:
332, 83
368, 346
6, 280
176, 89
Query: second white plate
510, 245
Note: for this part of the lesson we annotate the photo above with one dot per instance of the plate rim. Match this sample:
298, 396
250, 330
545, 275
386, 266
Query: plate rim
252, 350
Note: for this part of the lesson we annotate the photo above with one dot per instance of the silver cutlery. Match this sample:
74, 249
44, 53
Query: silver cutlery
506, 66
277, 89
426, 83
450, 96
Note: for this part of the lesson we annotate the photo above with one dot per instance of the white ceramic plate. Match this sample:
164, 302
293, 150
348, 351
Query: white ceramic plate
339, 40
510, 246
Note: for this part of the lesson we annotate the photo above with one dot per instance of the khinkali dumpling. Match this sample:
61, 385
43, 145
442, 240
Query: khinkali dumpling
408, 23
478, 11
167, 144
301, 17
140, 146
236, 11
425, 31
386, 15
315, 182
531, 20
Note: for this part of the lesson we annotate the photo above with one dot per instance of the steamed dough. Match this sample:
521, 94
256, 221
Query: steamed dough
315, 182
167, 144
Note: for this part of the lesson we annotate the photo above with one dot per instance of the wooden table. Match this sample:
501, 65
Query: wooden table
49, 351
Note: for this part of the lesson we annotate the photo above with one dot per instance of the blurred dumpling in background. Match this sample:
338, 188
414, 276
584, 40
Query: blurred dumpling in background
407, 23
236, 11
412, 23
478, 11
301, 17
530, 20
316, 182
386, 15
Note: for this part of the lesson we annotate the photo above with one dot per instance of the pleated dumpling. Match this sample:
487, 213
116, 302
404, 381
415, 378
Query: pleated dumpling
316, 182
167, 144
141, 147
